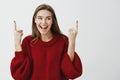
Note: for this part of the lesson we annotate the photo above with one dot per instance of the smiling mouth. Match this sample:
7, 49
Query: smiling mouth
43, 27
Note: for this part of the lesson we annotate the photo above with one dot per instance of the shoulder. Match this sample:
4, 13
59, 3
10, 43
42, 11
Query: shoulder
27, 38
64, 37
64, 40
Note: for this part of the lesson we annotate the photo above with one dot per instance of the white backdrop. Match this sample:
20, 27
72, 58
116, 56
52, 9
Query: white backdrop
98, 40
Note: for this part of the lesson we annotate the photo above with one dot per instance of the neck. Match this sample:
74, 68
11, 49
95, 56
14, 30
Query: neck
46, 37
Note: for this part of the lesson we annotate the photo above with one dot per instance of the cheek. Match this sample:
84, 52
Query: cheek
50, 23
37, 21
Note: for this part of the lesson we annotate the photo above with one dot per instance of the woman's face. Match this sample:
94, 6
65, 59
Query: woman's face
44, 21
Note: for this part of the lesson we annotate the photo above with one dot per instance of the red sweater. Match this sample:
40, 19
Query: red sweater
45, 60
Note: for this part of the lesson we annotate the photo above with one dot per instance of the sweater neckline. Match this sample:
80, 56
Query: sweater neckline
46, 44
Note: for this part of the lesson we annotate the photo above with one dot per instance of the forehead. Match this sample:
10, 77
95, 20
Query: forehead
44, 13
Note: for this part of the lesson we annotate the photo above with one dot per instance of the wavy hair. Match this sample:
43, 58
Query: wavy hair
55, 27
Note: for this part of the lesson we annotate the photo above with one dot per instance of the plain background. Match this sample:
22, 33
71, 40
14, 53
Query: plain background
98, 40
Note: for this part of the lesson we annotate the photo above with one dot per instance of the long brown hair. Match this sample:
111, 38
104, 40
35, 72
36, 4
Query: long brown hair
55, 27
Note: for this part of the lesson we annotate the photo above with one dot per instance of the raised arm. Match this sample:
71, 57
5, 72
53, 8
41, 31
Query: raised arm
21, 64
17, 38
72, 38
71, 62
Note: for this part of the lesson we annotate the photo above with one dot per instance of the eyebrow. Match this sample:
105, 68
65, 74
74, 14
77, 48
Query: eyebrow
42, 16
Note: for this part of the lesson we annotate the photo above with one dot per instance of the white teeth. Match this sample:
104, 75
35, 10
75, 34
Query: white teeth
44, 27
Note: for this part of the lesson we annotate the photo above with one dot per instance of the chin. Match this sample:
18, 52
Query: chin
43, 33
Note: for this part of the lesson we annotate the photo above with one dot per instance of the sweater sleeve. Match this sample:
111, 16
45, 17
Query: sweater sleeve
71, 69
21, 64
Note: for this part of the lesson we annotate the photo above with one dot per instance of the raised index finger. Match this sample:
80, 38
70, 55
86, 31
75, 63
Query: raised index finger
77, 25
15, 27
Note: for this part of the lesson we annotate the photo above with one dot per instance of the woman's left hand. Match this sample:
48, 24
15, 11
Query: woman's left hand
73, 33
72, 37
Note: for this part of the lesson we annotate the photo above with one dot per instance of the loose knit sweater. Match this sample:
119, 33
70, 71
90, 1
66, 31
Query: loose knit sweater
40, 60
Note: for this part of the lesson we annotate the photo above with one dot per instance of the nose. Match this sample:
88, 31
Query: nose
43, 21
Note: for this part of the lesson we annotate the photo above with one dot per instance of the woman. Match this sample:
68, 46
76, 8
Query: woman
47, 54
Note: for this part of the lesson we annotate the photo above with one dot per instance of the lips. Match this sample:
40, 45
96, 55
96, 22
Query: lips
45, 27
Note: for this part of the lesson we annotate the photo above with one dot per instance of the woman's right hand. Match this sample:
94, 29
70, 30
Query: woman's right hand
17, 38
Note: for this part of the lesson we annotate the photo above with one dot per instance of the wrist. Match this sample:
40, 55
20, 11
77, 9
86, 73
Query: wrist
18, 47
71, 41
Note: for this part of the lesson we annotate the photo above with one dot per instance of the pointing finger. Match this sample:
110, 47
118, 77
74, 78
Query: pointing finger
15, 27
77, 25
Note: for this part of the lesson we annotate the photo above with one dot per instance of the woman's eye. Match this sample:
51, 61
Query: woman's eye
48, 18
40, 18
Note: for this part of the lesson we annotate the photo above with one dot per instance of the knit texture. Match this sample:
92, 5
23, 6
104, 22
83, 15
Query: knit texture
40, 60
